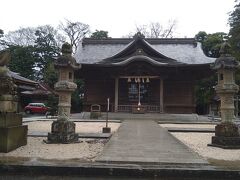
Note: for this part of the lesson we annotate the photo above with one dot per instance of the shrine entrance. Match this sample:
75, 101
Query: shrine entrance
143, 76
139, 94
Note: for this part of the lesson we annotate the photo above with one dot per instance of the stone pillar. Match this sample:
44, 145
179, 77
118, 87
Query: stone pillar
63, 130
12, 133
161, 96
226, 133
116, 95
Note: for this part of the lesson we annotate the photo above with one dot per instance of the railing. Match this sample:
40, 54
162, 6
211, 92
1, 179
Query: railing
124, 108
153, 109
148, 108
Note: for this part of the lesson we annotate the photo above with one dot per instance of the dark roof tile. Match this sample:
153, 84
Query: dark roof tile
183, 50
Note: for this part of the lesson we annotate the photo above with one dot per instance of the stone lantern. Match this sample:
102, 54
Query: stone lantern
12, 133
63, 130
226, 133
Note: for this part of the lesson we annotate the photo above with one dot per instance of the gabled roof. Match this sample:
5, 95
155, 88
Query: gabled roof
21, 79
41, 89
138, 50
123, 50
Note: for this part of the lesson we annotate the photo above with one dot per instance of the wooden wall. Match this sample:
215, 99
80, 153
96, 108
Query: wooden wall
178, 96
97, 91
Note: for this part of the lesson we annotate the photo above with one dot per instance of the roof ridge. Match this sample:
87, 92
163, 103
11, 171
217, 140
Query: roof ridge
149, 40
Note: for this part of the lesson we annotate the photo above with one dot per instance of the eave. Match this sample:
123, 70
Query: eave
138, 47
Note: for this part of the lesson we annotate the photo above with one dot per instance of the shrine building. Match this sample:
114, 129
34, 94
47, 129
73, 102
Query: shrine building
142, 75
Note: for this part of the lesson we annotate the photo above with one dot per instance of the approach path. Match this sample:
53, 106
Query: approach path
144, 141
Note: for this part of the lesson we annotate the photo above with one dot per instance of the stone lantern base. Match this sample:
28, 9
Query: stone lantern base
63, 131
226, 136
12, 133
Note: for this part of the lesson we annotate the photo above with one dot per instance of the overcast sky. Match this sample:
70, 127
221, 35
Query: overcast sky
119, 17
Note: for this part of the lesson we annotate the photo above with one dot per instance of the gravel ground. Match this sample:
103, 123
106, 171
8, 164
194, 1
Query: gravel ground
81, 127
198, 143
189, 125
87, 150
36, 148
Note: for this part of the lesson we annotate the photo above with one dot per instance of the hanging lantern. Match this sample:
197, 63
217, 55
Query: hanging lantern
136, 80
129, 80
147, 80
139, 80
143, 80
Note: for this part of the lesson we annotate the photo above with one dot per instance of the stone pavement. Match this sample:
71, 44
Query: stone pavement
145, 142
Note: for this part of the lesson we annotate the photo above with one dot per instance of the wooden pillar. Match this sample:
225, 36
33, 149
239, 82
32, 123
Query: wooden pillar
116, 95
161, 96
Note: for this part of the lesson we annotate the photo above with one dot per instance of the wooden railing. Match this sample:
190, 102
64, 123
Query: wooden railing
148, 108
153, 109
124, 108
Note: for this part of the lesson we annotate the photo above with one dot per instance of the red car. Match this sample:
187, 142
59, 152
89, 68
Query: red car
36, 108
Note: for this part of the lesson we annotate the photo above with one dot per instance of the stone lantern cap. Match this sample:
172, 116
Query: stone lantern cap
66, 59
7, 85
226, 60
4, 57
4, 60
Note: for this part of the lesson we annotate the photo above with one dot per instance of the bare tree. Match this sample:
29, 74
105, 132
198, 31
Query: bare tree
143, 29
155, 30
75, 32
168, 32
21, 37
28, 36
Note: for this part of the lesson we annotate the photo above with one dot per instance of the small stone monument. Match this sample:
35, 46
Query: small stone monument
63, 130
226, 133
12, 133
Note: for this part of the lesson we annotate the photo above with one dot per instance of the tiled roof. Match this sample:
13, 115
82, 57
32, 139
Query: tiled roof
184, 50
17, 77
41, 89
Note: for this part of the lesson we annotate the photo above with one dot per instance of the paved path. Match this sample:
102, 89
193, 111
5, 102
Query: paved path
144, 141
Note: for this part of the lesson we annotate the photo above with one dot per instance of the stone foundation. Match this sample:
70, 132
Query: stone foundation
12, 133
226, 136
10, 119
63, 131
226, 142
227, 129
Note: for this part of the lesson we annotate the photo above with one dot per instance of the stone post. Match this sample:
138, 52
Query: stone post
63, 130
226, 133
12, 133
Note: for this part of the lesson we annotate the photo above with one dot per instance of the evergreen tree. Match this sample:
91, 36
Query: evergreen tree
211, 43
204, 90
50, 75
22, 61
46, 50
100, 34
234, 33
